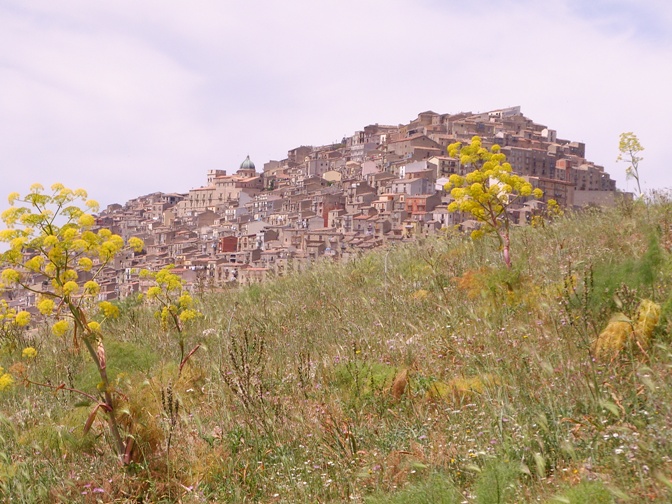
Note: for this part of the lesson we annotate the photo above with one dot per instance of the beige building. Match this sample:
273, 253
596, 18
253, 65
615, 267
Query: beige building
222, 190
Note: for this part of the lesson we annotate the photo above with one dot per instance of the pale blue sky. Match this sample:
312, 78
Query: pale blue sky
648, 21
125, 98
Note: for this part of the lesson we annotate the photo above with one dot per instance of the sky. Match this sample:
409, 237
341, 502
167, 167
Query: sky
124, 98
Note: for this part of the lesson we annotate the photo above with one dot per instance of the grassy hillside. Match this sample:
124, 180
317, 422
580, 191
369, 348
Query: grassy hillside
422, 373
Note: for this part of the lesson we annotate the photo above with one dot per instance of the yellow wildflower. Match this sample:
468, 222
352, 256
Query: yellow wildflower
69, 274
93, 205
87, 220
7, 234
6, 380
29, 353
153, 292
70, 288
136, 244
109, 248
35, 263
22, 318
108, 309
13, 197
60, 327
84, 262
69, 234
92, 239
92, 287
188, 315
50, 241
46, 306
18, 242
10, 276
185, 301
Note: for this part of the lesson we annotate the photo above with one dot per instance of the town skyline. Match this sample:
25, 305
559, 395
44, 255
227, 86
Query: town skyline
373, 151
383, 184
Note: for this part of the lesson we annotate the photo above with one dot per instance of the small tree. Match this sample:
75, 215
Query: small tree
487, 192
13, 326
174, 304
629, 150
174, 309
49, 235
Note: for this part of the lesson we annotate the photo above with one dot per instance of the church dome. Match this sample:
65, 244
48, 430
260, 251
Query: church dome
247, 164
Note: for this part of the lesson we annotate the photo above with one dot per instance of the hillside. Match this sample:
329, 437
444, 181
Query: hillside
423, 372
382, 184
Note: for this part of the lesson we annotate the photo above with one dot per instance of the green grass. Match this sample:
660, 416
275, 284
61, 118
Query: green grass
586, 492
436, 489
288, 397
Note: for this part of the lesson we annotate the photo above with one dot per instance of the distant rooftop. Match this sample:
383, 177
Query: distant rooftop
247, 164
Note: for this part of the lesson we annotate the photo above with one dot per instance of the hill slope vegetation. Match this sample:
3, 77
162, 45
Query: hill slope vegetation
425, 372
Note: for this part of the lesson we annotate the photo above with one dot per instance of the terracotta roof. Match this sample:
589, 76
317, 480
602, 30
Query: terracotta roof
409, 138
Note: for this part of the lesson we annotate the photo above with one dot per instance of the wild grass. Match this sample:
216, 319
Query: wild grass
293, 395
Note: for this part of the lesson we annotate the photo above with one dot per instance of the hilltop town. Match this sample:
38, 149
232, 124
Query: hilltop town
380, 185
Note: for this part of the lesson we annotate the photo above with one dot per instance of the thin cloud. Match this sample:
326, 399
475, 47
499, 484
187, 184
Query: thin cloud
125, 98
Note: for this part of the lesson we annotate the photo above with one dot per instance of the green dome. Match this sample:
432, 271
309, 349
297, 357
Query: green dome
247, 164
